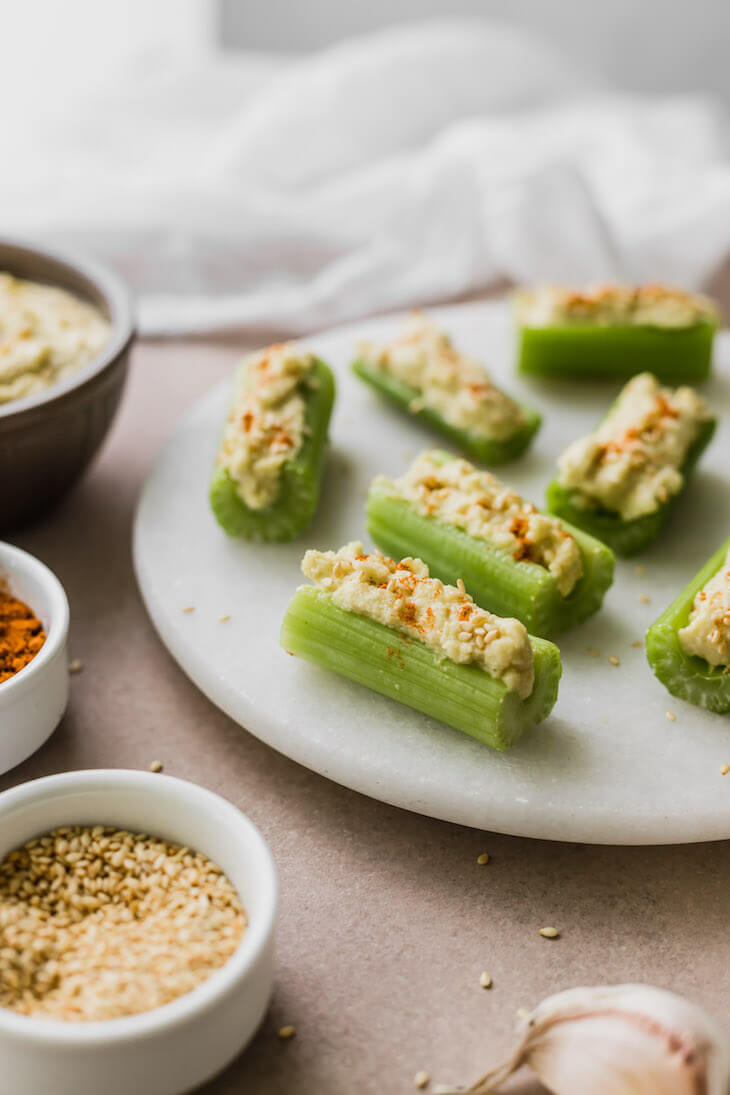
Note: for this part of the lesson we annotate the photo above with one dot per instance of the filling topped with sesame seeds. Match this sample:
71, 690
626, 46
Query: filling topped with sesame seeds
631, 464
46, 335
96, 923
455, 492
266, 426
403, 596
447, 381
707, 635
613, 306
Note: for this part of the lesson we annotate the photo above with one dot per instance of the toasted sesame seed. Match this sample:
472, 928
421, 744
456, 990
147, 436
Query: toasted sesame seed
98, 923
189, 608
614, 660
156, 766
421, 1079
287, 1032
549, 933
224, 619
644, 598
671, 716
483, 859
725, 769
75, 665
485, 980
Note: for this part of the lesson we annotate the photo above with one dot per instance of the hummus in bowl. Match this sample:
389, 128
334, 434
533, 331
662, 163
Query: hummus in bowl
46, 335
66, 329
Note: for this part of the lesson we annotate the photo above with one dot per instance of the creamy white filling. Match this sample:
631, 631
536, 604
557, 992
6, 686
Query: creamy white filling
477, 502
266, 426
613, 305
707, 635
46, 335
631, 463
447, 381
403, 596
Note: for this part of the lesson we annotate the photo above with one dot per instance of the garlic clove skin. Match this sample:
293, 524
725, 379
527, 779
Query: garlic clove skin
625, 1039
618, 1040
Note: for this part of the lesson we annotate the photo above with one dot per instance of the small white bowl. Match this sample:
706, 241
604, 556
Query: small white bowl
176, 1047
32, 702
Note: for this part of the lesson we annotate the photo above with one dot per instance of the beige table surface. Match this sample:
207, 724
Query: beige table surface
386, 918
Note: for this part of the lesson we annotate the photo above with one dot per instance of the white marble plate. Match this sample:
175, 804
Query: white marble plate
607, 767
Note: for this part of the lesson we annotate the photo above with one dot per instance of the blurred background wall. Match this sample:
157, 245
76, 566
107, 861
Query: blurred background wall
647, 45
52, 50
651, 45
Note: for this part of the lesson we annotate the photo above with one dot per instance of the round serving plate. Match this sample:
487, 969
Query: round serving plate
608, 766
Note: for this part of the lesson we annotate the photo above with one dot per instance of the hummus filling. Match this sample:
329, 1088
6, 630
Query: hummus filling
266, 426
707, 635
614, 306
46, 335
403, 596
447, 381
475, 501
631, 464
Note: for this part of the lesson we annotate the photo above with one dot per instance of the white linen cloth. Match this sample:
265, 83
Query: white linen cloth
403, 167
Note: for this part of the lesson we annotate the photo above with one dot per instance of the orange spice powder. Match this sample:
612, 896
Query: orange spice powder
21, 635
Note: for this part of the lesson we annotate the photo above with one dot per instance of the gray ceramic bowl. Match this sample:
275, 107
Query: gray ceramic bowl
47, 440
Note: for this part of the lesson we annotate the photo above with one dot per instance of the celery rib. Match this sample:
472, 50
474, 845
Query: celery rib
388, 662
488, 451
682, 674
301, 477
680, 356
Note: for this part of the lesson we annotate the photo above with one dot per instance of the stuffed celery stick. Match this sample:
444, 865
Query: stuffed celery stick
271, 459
689, 645
426, 376
466, 524
615, 332
393, 628
621, 482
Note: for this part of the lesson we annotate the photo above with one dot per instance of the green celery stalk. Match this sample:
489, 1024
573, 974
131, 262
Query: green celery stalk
496, 581
296, 502
685, 675
624, 537
582, 352
488, 450
404, 669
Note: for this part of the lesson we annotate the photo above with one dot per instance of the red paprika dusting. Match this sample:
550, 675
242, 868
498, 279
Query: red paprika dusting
21, 635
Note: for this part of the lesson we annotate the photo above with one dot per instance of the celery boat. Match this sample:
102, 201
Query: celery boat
689, 677
494, 578
613, 332
404, 669
487, 450
625, 537
296, 501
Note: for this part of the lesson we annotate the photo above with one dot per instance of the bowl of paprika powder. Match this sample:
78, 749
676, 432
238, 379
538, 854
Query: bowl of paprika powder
33, 662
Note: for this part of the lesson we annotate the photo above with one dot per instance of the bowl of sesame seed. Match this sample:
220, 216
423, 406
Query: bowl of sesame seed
137, 916
34, 618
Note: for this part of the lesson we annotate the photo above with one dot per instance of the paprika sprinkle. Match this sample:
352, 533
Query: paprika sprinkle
21, 635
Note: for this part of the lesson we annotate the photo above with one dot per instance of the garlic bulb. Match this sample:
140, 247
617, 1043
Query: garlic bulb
618, 1040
